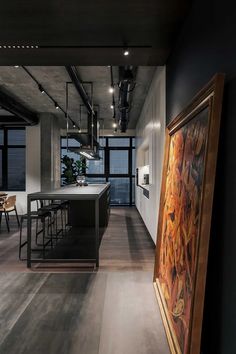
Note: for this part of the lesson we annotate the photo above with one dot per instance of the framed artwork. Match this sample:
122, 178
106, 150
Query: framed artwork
185, 217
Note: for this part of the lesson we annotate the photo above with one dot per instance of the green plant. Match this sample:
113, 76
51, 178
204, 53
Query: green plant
81, 166
71, 169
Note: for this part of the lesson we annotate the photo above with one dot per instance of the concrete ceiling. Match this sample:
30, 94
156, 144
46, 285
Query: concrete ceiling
89, 32
19, 85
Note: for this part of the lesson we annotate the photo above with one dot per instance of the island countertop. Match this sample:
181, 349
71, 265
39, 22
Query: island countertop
72, 192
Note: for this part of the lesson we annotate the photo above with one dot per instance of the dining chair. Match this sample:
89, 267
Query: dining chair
7, 206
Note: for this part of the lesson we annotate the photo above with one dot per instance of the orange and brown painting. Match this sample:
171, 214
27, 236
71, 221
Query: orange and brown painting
181, 220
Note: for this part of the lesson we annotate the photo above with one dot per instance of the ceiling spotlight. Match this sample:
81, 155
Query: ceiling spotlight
126, 52
41, 89
16, 66
56, 105
112, 106
111, 89
114, 125
79, 130
74, 126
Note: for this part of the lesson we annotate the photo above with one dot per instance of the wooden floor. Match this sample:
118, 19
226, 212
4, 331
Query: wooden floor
112, 311
126, 244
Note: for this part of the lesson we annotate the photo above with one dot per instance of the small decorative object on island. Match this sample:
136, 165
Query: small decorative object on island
73, 171
185, 217
81, 167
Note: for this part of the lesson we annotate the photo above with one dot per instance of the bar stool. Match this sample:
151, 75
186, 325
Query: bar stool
39, 215
53, 209
63, 207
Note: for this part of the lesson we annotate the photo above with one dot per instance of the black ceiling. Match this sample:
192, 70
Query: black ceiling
98, 28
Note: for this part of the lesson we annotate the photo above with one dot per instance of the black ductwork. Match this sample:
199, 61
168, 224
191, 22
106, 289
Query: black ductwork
126, 86
74, 75
12, 121
17, 109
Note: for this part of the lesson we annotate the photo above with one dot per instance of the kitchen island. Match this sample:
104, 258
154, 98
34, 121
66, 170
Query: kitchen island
88, 211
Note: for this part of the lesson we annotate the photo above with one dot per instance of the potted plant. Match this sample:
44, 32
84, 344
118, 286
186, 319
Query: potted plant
69, 171
73, 171
80, 166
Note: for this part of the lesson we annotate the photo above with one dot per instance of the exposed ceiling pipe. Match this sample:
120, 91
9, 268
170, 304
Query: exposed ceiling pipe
74, 75
12, 121
11, 105
126, 86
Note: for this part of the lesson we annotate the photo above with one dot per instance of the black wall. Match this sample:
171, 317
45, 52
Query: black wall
206, 45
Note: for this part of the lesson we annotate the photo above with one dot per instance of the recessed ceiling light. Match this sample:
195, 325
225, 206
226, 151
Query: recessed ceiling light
126, 52
112, 106
114, 125
16, 66
111, 89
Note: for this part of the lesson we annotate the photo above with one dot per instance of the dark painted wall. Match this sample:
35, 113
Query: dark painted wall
206, 45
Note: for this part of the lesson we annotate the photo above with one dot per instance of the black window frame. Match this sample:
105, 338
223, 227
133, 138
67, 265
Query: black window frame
4, 148
106, 175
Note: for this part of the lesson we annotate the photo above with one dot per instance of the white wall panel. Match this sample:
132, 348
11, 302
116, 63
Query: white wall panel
150, 134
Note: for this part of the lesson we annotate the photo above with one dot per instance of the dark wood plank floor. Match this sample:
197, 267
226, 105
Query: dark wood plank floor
112, 311
125, 245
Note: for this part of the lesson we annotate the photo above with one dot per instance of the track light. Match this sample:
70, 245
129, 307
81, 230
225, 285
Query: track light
15, 46
56, 105
111, 89
41, 89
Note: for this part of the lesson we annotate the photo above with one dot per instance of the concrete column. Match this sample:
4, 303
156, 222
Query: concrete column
50, 151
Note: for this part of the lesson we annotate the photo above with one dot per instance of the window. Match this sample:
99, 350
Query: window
113, 142
97, 166
117, 166
119, 162
12, 159
120, 190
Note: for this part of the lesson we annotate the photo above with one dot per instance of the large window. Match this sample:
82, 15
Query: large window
12, 159
117, 166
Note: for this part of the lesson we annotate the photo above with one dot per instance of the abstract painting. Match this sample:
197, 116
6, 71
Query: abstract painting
183, 238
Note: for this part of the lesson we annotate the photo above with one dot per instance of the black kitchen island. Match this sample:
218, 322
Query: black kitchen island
88, 213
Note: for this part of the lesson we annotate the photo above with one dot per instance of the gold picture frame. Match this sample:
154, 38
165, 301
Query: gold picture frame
185, 217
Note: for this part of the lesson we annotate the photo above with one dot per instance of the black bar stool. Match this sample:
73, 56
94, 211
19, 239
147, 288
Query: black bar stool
63, 207
39, 215
53, 209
